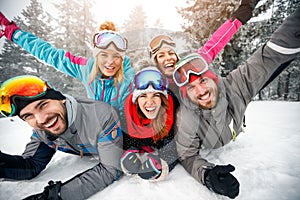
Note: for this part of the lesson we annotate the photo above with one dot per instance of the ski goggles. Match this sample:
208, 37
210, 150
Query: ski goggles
191, 64
103, 39
145, 78
157, 42
21, 86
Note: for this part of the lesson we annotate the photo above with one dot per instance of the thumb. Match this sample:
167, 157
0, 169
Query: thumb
226, 169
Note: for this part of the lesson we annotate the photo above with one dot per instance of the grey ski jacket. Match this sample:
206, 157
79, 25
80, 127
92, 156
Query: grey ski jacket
199, 129
93, 130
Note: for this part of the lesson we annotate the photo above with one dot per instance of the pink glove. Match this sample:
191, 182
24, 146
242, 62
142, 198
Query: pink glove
7, 28
3, 20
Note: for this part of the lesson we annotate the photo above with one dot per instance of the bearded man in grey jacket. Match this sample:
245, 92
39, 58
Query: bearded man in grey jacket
212, 107
60, 122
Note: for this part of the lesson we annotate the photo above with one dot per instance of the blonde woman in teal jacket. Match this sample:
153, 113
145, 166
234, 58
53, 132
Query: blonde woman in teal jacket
106, 77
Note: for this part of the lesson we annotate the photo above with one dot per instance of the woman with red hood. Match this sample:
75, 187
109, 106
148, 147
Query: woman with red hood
150, 150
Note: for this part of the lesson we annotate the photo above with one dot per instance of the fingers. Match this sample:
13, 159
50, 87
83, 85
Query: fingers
224, 169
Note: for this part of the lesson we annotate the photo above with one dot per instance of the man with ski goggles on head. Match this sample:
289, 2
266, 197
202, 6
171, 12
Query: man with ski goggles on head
82, 127
212, 108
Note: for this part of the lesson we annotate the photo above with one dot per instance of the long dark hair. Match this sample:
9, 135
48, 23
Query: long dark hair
159, 123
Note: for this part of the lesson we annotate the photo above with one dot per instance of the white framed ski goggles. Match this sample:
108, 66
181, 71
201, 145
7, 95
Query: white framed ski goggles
157, 42
191, 64
25, 86
105, 38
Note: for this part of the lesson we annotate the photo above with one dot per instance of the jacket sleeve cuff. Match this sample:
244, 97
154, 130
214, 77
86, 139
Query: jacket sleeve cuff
16, 35
204, 168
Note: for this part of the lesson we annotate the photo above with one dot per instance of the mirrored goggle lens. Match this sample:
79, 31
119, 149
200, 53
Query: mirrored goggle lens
103, 40
155, 78
157, 42
185, 67
24, 86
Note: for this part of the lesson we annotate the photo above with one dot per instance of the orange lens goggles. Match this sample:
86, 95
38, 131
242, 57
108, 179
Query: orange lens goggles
157, 42
23, 86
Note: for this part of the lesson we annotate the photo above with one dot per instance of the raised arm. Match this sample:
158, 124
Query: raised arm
226, 31
58, 58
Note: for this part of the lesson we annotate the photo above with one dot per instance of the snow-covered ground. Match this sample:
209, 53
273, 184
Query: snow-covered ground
266, 158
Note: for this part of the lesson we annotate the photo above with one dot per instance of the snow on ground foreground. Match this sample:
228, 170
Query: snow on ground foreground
266, 158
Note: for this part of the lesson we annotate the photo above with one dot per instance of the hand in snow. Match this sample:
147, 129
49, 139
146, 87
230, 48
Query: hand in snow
219, 180
51, 191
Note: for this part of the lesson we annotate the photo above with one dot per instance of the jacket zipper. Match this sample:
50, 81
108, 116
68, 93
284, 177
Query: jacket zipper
80, 152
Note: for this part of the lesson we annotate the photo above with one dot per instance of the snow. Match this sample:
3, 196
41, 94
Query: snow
266, 158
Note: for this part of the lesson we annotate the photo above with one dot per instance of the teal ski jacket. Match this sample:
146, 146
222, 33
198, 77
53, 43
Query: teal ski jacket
79, 68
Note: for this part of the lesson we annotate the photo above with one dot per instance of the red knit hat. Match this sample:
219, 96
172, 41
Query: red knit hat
193, 77
208, 74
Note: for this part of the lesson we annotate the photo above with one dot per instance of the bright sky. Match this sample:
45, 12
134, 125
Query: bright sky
114, 10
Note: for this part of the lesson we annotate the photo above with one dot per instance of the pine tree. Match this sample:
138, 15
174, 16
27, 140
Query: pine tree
158, 24
136, 20
75, 26
12, 57
16, 61
204, 17
286, 85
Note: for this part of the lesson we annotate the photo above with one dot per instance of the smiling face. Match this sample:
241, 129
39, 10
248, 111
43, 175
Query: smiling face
166, 59
149, 103
203, 92
46, 114
109, 62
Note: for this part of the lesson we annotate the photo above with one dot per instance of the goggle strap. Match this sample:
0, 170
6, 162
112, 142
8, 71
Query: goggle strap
115, 46
13, 110
159, 45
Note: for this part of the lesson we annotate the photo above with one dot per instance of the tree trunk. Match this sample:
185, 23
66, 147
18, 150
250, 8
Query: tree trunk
279, 83
286, 86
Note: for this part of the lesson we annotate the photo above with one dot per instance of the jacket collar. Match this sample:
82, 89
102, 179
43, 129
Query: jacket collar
71, 106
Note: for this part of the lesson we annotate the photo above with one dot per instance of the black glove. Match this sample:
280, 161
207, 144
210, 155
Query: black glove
219, 180
244, 12
130, 162
51, 191
151, 168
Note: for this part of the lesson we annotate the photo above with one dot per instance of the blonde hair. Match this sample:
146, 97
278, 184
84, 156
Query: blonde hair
119, 76
158, 123
107, 25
